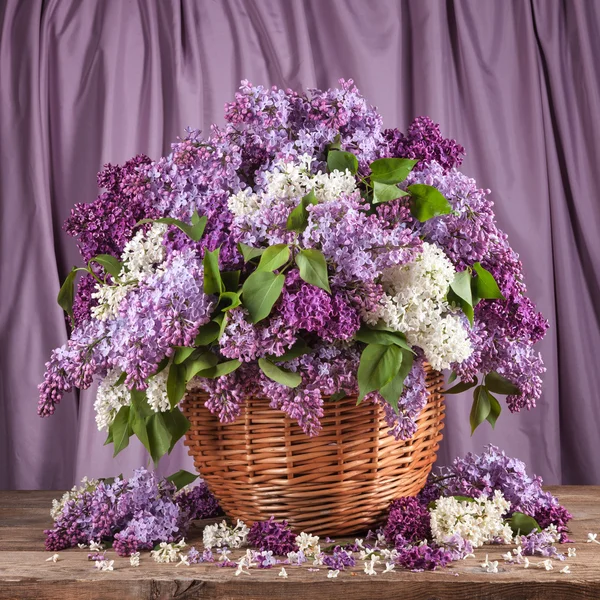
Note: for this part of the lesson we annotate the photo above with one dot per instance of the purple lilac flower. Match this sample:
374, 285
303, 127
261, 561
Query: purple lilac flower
425, 557
272, 535
424, 141
196, 557
135, 514
197, 503
339, 559
408, 522
540, 543
265, 559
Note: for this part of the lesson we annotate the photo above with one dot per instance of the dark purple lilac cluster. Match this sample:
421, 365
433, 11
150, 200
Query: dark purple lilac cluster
424, 141
134, 514
423, 557
273, 536
407, 522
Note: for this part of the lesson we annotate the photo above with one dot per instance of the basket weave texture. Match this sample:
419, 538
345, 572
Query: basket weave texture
337, 483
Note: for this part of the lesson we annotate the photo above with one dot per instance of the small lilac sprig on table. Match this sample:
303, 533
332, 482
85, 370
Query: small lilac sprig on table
299, 252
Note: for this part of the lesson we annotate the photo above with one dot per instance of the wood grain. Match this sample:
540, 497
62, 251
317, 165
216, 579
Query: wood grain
25, 574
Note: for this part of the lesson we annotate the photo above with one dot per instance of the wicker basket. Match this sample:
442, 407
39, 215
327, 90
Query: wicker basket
337, 483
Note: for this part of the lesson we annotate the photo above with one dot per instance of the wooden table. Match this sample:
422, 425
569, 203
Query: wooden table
24, 572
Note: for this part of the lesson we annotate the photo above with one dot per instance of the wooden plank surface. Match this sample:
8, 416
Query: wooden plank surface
25, 574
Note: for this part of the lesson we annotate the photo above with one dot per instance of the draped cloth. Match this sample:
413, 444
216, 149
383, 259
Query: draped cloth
83, 83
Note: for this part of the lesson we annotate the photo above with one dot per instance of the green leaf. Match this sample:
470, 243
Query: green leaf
375, 336
464, 498
460, 387
158, 435
298, 218
120, 430
452, 377
378, 365
481, 407
248, 252
109, 437
199, 361
193, 231
500, 385
221, 320
207, 334
461, 286
67, 292
223, 368
182, 478
110, 263
335, 145
177, 424
427, 202
484, 285
260, 292
338, 160
495, 410
338, 396
229, 300
384, 192
176, 384
121, 380
393, 390
231, 280
391, 170
313, 268
139, 404
454, 299
523, 524
213, 284
181, 354
274, 257
298, 349
138, 426
278, 374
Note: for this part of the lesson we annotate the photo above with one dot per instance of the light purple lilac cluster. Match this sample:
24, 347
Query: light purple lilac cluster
134, 514
266, 129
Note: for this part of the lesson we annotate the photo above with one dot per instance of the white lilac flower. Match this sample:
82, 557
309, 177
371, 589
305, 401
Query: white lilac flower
144, 252
571, 552
134, 559
592, 538
96, 546
283, 573
546, 564
110, 397
565, 569
308, 544
168, 553
389, 567
53, 558
508, 557
183, 560
478, 522
140, 257
297, 558
156, 392
492, 566
332, 574
526, 563
414, 303
104, 565
369, 565
243, 203
221, 534
245, 563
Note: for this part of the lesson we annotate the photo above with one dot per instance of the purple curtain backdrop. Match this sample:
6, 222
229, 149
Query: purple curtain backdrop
85, 82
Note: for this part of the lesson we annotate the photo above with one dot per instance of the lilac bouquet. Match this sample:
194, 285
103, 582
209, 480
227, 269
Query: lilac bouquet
299, 253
